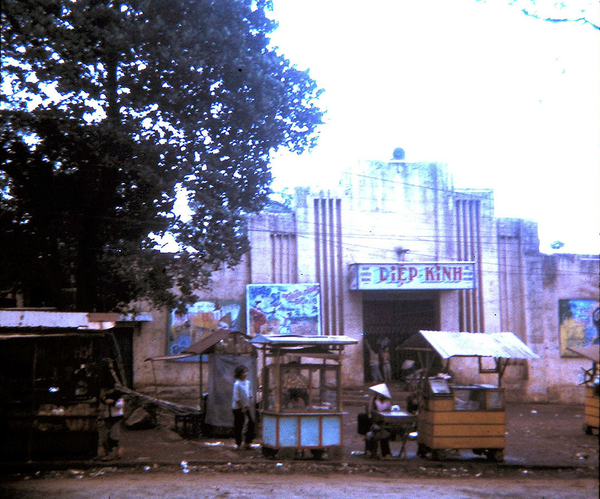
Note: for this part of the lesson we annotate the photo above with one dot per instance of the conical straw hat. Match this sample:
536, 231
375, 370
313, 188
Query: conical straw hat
381, 389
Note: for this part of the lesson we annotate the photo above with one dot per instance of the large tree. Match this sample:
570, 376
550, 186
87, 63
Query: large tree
108, 109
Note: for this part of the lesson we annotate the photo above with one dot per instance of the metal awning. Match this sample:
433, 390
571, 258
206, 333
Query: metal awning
452, 344
289, 340
591, 352
33, 322
200, 347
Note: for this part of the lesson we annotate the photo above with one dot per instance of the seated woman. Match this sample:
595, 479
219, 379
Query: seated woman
381, 401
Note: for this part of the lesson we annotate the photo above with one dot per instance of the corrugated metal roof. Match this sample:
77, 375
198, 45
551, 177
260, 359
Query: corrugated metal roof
591, 352
202, 346
210, 341
46, 319
452, 344
42, 319
291, 340
172, 357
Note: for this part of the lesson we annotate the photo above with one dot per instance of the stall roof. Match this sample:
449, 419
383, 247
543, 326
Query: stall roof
201, 346
24, 321
452, 344
289, 340
592, 352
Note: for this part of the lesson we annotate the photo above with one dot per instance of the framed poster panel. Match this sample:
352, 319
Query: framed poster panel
578, 322
200, 318
283, 309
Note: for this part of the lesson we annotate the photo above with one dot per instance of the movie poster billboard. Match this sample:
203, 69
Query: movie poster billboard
283, 309
579, 326
201, 318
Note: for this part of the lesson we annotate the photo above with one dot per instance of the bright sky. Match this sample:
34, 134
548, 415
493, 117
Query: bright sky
509, 102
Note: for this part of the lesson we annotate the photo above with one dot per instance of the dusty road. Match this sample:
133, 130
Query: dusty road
237, 486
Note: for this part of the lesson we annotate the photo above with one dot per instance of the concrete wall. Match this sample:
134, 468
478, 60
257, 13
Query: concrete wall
180, 381
554, 378
532, 285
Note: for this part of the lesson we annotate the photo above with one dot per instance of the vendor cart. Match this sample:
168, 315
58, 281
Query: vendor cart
455, 417
301, 404
592, 388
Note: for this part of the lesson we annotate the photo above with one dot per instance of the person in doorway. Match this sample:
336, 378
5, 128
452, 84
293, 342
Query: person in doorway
386, 364
373, 364
242, 407
381, 401
112, 405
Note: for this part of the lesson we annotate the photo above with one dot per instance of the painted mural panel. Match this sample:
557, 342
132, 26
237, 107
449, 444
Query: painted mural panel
283, 309
200, 318
578, 325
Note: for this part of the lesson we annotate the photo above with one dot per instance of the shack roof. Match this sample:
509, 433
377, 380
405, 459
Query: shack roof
290, 340
202, 346
16, 323
592, 352
453, 344
209, 341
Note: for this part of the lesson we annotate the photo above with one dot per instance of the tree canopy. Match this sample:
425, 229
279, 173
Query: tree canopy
108, 108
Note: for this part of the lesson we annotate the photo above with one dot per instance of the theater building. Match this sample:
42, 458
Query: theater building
395, 249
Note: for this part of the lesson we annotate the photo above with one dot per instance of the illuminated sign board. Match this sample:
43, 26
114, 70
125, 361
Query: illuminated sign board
405, 275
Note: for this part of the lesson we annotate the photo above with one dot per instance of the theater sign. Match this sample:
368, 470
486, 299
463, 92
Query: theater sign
439, 275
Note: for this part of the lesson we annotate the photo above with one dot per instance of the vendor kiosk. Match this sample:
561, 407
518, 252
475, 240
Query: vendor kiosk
224, 350
455, 417
301, 407
592, 388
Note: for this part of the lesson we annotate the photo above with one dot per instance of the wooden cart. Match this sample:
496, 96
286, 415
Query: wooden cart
471, 417
462, 417
301, 407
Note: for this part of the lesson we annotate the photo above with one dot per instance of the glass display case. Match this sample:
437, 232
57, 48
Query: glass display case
302, 395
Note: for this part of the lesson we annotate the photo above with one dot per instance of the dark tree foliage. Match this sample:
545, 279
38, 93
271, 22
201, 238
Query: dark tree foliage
109, 107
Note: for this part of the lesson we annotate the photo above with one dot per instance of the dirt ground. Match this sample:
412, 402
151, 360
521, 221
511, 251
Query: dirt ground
327, 486
538, 435
547, 456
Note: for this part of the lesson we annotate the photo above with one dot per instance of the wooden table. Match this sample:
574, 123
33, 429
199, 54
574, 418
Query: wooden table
398, 423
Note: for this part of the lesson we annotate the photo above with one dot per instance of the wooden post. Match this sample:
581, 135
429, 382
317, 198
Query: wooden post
33, 401
201, 399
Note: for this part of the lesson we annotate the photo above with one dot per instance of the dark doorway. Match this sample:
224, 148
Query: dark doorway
391, 322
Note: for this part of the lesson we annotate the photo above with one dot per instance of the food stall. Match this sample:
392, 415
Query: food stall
301, 407
592, 388
457, 417
50, 381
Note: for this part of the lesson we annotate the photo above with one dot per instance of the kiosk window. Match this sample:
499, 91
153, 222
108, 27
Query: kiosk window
495, 400
469, 399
